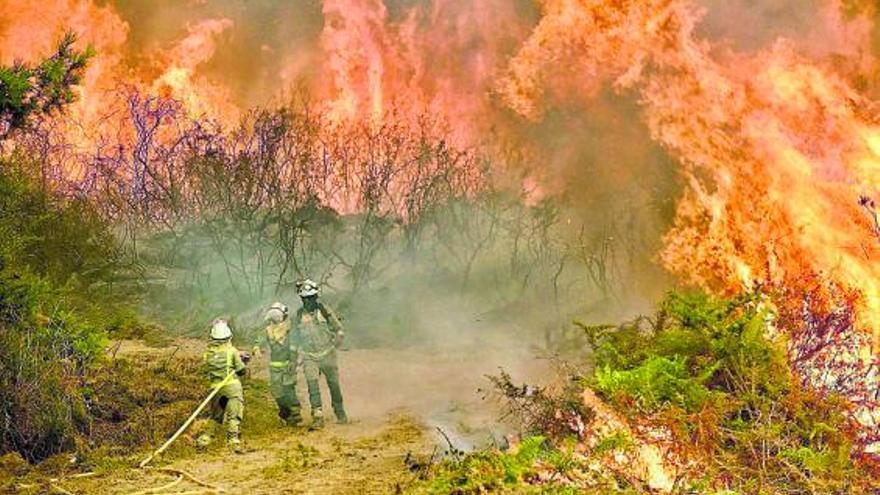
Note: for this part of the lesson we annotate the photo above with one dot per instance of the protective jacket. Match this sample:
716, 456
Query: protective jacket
220, 359
316, 332
276, 337
227, 407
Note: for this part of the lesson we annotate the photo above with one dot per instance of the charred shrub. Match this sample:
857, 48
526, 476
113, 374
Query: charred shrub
555, 415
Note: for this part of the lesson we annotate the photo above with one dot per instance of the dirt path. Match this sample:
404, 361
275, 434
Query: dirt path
364, 457
396, 398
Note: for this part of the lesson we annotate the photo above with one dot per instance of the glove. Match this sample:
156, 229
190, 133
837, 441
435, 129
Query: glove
245, 357
340, 337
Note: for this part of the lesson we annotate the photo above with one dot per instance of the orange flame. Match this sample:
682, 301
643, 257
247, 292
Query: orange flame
776, 149
180, 81
776, 146
29, 30
439, 59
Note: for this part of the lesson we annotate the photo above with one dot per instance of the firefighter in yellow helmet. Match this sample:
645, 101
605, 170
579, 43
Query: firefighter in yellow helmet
318, 332
227, 407
282, 362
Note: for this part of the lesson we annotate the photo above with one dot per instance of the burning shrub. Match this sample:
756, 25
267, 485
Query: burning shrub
27, 91
829, 353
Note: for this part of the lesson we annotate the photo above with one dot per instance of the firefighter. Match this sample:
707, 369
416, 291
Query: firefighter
318, 333
282, 362
224, 366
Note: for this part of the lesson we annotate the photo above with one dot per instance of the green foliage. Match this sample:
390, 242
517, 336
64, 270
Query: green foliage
705, 371
27, 91
45, 348
56, 259
658, 381
47, 247
619, 441
700, 351
63, 239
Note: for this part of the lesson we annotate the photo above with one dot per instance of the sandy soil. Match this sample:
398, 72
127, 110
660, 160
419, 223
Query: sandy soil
397, 398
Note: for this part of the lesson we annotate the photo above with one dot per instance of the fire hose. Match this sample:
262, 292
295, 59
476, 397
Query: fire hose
188, 421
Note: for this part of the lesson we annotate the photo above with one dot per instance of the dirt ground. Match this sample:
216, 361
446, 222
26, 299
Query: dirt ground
397, 400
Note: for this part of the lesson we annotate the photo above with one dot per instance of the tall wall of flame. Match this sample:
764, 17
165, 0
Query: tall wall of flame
776, 148
766, 107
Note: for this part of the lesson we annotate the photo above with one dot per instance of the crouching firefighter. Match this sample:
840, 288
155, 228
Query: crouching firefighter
282, 362
318, 332
225, 366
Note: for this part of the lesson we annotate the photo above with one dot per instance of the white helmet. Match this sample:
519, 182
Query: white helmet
276, 313
220, 330
307, 288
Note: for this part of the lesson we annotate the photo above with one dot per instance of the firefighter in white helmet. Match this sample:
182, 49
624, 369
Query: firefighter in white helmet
227, 407
318, 332
282, 362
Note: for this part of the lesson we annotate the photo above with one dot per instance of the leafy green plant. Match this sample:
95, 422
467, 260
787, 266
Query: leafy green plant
60, 238
57, 260
702, 370
617, 441
659, 380
27, 91
45, 349
706, 372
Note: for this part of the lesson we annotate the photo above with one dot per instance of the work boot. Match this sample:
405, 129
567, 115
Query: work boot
317, 419
234, 444
294, 420
341, 417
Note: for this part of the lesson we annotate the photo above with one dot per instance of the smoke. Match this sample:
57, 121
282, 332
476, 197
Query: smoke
726, 141
467, 62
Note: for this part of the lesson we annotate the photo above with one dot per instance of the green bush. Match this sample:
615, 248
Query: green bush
702, 369
659, 380
62, 239
705, 370
29, 91
45, 350
54, 312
